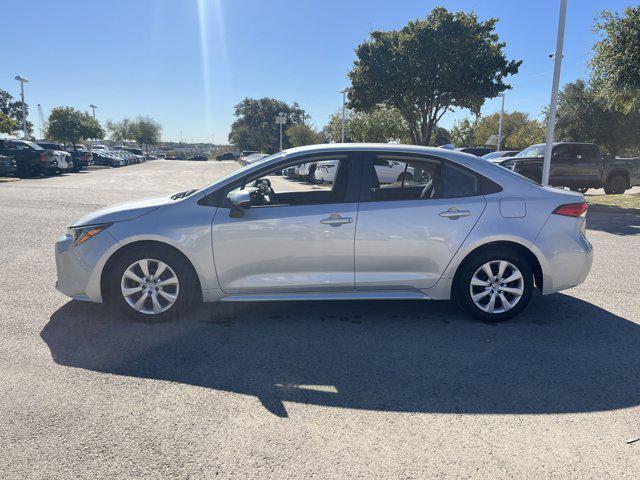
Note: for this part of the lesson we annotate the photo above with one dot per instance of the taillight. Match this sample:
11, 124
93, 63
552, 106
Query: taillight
42, 157
85, 157
572, 209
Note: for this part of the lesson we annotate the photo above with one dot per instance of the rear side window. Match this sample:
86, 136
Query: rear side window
459, 182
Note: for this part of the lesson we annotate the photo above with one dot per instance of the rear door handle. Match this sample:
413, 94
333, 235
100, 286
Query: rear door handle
454, 213
335, 220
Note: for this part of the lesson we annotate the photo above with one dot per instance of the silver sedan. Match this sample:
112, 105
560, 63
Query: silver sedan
448, 225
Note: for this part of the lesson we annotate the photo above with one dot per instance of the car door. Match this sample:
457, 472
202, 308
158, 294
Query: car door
301, 241
588, 165
563, 160
408, 232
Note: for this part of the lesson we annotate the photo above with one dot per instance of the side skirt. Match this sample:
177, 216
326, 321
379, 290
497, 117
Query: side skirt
311, 296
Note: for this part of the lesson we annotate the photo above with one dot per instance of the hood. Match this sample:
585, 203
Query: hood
122, 212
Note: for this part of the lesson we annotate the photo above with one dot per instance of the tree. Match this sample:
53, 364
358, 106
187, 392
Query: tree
146, 131
430, 66
7, 125
440, 136
302, 134
381, 125
616, 60
68, 125
120, 131
518, 130
584, 116
255, 126
12, 109
463, 133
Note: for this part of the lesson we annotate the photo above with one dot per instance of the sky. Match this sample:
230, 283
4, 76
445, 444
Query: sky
186, 63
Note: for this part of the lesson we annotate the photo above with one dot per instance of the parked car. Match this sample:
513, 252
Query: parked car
391, 171
228, 156
246, 153
81, 157
254, 157
199, 158
579, 166
107, 159
59, 155
7, 166
31, 159
325, 171
99, 147
305, 171
465, 229
500, 154
477, 151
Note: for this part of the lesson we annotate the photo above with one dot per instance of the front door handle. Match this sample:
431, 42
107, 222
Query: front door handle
454, 213
335, 220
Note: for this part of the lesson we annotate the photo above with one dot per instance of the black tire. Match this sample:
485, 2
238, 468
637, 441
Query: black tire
582, 190
188, 291
616, 185
462, 287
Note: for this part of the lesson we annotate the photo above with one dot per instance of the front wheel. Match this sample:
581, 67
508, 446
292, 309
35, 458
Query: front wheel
494, 286
152, 284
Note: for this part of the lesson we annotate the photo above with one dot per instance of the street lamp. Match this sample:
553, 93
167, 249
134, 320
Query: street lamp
93, 107
281, 119
22, 81
343, 91
500, 123
546, 166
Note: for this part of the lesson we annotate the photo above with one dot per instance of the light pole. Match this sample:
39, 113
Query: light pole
500, 123
343, 91
281, 119
93, 107
546, 166
22, 81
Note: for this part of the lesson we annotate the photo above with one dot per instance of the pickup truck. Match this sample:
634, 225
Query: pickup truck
31, 159
579, 166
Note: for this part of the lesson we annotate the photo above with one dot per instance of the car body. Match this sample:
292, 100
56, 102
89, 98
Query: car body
106, 158
577, 165
477, 151
500, 154
228, 156
81, 156
7, 166
199, 158
434, 237
60, 159
31, 159
325, 171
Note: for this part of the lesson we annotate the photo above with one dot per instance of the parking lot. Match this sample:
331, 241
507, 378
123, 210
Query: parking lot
307, 390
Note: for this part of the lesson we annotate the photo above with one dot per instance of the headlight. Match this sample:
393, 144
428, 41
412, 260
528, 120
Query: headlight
82, 234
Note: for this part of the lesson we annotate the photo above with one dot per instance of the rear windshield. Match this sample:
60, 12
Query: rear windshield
533, 151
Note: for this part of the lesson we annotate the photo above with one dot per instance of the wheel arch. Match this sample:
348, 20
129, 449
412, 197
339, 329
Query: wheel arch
531, 258
106, 270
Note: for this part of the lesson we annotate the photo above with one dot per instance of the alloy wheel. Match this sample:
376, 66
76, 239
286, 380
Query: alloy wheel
150, 286
497, 286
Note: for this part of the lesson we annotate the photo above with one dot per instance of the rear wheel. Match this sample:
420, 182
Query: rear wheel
152, 284
494, 285
616, 184
407, 177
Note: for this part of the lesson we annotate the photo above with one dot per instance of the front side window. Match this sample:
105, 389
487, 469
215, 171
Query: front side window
317, 180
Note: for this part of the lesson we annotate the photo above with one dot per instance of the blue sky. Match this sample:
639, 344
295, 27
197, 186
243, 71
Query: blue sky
188, 62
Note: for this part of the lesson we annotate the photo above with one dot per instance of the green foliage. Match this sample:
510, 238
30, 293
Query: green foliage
518, 130
380, 125
302, 134
120, 131
255, 126
12, 109
440, 136
463, 133
7, 125
68, 125
616, 60
146, 131
429, 66
584, 116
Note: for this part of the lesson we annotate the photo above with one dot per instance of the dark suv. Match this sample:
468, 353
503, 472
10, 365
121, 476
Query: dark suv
31, 159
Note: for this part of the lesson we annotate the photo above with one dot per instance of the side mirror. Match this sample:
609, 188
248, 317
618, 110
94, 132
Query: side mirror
240, 201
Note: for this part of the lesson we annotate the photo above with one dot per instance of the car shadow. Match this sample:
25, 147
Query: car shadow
619, 221
561, 355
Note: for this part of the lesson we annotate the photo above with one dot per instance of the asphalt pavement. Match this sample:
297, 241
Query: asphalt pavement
338, 390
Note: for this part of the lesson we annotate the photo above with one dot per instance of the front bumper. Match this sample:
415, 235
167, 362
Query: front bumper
79, 267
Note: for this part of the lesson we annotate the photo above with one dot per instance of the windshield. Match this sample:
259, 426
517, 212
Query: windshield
491, 155
533, 151
33, 145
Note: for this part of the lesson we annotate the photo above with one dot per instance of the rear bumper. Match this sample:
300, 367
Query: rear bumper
567, 253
